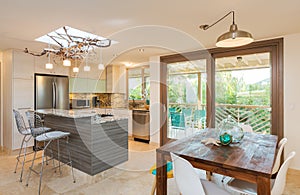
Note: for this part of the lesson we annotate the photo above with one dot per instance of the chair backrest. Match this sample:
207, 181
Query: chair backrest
187, 112
186, 178
280, 180
246, 128
280, 147
198, 114
21, 126
177, 120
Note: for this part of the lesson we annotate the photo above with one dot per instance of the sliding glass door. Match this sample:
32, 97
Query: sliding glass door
199, 89
186, 98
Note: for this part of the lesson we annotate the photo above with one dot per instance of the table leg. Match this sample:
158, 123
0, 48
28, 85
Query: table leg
208, 175
263, 186
161, 174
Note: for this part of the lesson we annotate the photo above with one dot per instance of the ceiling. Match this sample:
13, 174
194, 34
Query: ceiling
241, 62
159, 27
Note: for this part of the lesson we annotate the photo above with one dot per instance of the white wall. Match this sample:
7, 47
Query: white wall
154, 98
292, 96
1, 102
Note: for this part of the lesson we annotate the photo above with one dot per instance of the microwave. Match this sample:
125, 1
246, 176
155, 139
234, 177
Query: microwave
80, 103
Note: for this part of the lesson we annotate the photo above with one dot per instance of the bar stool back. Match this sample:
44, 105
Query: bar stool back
26, 132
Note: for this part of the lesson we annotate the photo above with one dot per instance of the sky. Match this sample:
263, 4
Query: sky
253, 75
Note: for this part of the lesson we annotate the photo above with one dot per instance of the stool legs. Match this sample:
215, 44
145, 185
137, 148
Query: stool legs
70, 160
43, 161
24, 148
31, 167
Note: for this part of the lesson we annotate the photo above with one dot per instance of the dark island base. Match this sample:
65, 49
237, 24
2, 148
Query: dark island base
93, 147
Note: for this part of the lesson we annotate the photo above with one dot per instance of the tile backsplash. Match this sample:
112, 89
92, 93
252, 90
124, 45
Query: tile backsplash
113, 100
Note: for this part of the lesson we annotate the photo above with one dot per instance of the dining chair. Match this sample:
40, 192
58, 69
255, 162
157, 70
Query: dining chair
246, 128
276, 165
188, 181
199, 119
178, 122
188, 116
280, 147
277, 184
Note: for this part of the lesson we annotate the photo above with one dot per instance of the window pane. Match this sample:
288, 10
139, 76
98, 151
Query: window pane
135, 84
243, 91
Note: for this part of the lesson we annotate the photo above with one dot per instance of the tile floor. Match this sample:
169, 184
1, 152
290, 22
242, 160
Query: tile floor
129, 178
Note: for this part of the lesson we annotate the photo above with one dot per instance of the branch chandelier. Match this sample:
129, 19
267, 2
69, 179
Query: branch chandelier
233, 38
68, 44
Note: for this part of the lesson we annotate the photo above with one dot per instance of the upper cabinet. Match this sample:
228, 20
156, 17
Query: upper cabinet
23, 65
85, 85
115, 79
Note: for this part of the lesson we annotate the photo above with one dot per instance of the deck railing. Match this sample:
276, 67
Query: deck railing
258, 117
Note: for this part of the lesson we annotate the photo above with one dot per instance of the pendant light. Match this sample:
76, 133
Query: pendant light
49, 65
75, 69
101, 65
86, 68
67, 62
233, 38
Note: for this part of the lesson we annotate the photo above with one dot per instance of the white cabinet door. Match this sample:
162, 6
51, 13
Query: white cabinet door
23, 100
23, 65
115, 79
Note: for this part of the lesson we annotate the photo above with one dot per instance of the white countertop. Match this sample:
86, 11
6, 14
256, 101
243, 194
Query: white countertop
118, 114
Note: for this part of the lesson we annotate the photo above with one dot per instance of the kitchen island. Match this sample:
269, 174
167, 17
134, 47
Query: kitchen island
97, 141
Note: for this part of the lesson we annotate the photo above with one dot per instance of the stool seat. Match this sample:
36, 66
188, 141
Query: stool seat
153, 172
52, 136
39, 130
169, 170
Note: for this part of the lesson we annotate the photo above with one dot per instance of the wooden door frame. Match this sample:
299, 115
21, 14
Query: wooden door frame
274, 46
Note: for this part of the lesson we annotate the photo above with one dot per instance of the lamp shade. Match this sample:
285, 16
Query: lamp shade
67, 62
234, 38
75, 69
86, 68
101, 66
49, 66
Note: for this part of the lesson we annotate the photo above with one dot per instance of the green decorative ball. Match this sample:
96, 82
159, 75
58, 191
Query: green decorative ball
225, 139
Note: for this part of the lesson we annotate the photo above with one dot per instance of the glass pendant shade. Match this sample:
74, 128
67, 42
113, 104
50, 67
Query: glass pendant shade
86, 68
101, 66
67, 62
75, 69
49, 66
234, 38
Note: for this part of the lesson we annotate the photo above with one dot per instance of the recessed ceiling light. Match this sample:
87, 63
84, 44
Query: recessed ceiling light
141, 50
127, 64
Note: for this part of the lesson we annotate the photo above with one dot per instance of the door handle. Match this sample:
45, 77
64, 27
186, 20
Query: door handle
53, 95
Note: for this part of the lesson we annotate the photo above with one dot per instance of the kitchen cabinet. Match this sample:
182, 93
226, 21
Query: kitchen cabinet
18, 93
23, 65
85, 85
115, 79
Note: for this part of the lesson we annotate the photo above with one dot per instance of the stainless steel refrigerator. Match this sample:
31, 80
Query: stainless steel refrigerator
51, 91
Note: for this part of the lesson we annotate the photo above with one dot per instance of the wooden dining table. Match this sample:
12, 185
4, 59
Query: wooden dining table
250, 160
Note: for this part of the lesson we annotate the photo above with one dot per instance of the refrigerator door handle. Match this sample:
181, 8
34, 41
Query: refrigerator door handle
54, 95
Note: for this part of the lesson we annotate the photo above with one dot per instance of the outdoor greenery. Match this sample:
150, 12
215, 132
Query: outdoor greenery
230, 90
